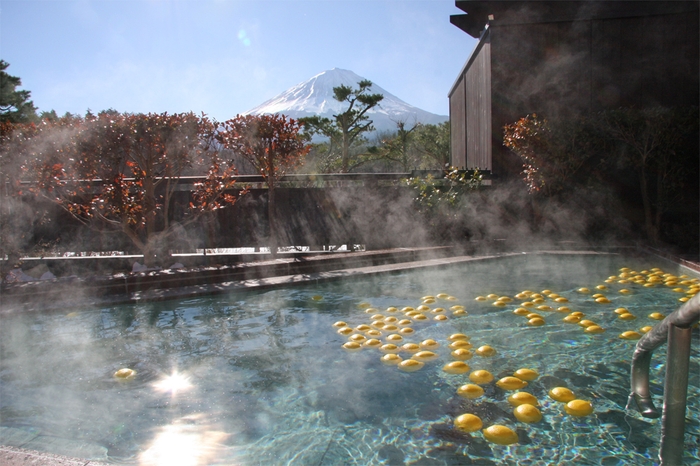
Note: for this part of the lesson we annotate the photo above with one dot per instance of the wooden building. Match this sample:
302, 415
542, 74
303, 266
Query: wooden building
561, 57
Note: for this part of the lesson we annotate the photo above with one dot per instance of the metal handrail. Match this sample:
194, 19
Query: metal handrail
676, 328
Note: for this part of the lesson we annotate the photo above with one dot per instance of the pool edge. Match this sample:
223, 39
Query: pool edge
276, 281
17, 456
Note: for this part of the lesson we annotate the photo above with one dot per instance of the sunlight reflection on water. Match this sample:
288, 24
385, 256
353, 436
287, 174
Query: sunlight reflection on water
185, 442
173, 383
261, 377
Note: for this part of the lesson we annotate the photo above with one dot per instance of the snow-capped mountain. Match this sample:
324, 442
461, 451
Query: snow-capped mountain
315, 97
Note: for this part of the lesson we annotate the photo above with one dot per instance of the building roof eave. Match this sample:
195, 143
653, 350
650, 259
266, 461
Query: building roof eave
545, 11
468, 24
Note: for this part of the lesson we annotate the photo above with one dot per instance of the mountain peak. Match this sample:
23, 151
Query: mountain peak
315, 97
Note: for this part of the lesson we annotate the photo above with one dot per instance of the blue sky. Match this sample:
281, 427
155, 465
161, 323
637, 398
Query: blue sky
223, 57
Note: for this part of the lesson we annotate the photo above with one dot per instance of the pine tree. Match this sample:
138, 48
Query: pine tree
346, 128
15, 106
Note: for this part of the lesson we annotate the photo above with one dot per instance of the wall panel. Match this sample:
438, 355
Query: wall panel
478, 109
458, 125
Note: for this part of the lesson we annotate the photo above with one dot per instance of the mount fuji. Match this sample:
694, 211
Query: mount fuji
315, 97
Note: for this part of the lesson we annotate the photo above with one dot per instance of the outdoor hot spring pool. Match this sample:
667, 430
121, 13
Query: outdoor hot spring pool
263, 378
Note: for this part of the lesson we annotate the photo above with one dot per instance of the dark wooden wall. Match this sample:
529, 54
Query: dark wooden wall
458, 123
470, 111
558, 68
366, 213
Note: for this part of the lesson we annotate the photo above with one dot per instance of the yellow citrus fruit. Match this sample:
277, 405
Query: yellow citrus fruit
485, 351
481, 377
425, 356
527, 413
526, 374
468, 423
391, 359
462, 354
410, 365
521, 398
456, 367
352, 346
579, 408
511, 383
562, 394
630, 335
500, 435
470, 391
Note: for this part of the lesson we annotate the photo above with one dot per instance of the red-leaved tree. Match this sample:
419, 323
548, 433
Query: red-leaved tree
552, 153
122, 170
273, 145
16, 220
21, 144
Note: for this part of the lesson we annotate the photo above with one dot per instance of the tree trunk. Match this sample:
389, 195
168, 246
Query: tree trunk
345, 154
661, 201
149, 255
271, 220
652, 231
149, 252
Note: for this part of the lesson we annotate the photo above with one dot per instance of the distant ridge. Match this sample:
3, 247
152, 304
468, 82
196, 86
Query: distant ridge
315, 97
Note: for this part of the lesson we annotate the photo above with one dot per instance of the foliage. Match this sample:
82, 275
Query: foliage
15, 106
552, 154
20, 220
433, 142
397, 149
215, 192
345, 130
441, 201
272, 144
16, 223
653, 143
423, 147
445, 194
122, 170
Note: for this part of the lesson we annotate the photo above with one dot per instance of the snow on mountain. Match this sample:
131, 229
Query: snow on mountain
315, 97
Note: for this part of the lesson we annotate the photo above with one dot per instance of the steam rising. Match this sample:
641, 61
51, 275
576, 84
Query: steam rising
261, 376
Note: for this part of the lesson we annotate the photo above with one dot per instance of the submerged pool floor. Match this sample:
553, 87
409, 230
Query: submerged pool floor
262, 377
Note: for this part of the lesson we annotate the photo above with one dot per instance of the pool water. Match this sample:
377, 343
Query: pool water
262, 377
